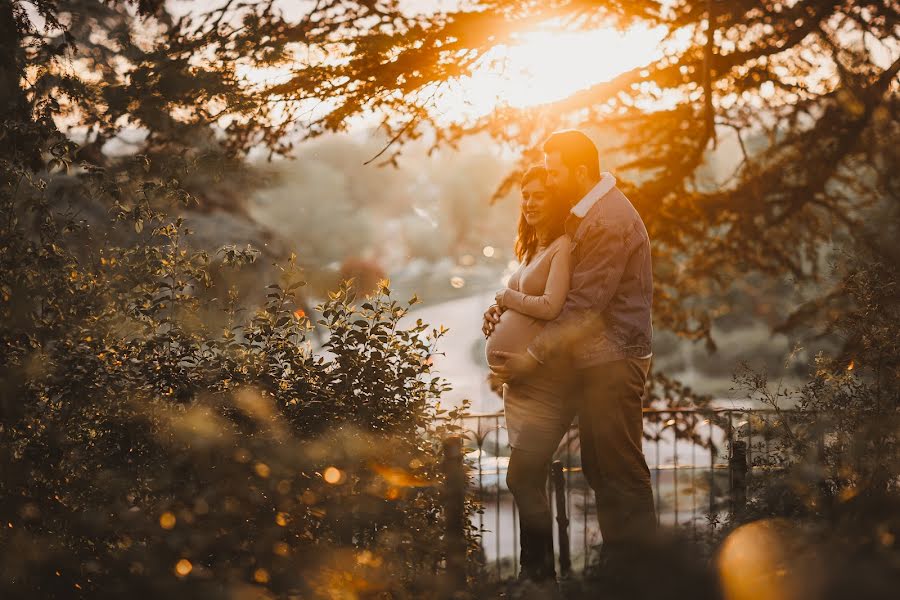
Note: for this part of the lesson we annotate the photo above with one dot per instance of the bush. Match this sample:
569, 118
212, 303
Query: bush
159, 438
826, 493
839, 441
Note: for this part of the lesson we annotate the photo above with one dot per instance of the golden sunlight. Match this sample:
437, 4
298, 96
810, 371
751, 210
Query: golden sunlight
547, 65
541, 66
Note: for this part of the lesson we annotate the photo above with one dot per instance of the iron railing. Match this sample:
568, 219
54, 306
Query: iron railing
700, 461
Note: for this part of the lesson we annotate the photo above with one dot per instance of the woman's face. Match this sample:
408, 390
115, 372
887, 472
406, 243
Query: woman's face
535, 202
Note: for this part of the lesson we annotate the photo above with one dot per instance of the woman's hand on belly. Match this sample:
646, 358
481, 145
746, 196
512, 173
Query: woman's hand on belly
512, 334
498, 298
491, 318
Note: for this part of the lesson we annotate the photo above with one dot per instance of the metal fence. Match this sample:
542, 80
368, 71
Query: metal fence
699, 462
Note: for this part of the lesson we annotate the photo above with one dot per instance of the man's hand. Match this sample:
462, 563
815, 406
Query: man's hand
515, 366
491, 318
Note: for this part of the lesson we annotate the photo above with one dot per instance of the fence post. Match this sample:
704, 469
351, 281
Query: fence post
737, 467
562, 520
454, 497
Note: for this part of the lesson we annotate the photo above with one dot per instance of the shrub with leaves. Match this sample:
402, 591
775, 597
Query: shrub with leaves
158, 436
825, 466
836, 436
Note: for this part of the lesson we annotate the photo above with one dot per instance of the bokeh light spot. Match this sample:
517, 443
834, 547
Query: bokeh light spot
760, 560
281, 549
167, 520
261, 576
183, 567
367, 558
333, 475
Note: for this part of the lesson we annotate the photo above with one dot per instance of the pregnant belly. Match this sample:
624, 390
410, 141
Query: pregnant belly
513, 333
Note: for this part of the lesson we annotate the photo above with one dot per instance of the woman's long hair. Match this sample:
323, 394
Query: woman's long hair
527, 240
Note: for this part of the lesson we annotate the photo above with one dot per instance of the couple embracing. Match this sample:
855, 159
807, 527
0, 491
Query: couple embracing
570, 336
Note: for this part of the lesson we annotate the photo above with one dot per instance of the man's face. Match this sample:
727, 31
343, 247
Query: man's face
560, 179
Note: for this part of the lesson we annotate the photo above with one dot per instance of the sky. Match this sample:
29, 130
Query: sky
542, 66
546, 66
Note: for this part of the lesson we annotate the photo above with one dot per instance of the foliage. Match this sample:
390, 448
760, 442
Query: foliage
839, 437
158, 437
803, 92
829, 458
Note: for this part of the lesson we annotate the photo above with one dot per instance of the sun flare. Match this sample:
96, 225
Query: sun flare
539, 67
546, 66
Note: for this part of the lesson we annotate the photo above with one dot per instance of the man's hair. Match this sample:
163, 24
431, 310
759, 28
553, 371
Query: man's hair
576, 149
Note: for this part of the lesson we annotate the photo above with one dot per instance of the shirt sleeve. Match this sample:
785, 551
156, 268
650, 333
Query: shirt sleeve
604, 254
548, 305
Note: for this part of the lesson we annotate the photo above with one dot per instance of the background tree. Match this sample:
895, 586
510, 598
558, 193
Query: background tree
807, 91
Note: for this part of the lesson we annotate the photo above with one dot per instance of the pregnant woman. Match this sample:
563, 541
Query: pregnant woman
537, 414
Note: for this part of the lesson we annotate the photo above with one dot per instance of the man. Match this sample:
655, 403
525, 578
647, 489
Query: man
603, 333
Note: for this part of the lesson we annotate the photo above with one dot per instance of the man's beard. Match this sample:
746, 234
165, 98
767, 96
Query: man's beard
567, 194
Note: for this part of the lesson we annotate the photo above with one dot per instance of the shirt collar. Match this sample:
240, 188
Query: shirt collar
606, 183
